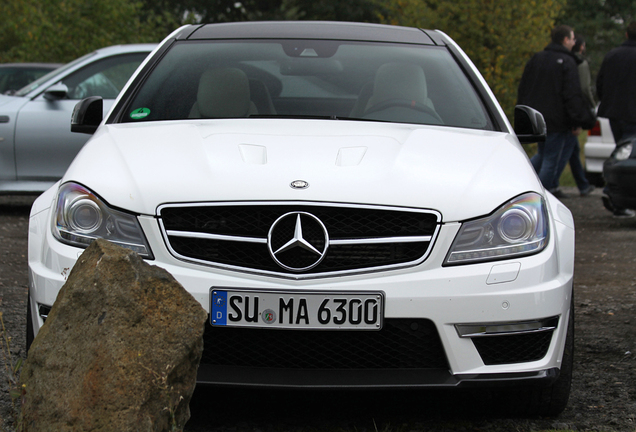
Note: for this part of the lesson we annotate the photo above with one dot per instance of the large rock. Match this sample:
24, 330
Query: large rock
118, 352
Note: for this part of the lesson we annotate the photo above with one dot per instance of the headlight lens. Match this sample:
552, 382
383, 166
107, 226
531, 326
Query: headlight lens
623, 152
81, 217
517, 228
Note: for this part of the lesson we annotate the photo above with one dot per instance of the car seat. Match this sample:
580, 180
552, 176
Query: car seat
223, 93
399, 82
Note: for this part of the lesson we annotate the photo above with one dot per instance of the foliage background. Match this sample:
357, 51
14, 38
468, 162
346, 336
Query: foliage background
62, 30
500, 36
601, 22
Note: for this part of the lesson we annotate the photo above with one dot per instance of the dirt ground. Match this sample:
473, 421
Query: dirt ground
603, 394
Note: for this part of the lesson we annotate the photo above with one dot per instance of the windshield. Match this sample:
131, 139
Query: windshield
402, 83
37, 83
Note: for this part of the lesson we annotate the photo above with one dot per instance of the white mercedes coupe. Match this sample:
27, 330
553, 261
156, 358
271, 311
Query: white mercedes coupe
348, 201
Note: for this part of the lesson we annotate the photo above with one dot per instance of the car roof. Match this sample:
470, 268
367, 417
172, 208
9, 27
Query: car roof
312, 30
31, 65
124, 48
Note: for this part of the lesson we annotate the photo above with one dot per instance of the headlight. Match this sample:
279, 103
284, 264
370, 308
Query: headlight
518, 228
81, 217
623, 152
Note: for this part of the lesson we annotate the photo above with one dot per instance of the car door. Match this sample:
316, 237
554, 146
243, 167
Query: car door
44, 144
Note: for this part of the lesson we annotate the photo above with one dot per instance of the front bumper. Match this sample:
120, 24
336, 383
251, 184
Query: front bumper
372, 379
620, 177
505, 292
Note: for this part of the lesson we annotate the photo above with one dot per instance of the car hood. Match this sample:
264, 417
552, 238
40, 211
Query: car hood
6, 99
461, 173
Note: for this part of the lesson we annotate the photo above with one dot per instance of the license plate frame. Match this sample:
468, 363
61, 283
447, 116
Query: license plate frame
297, 309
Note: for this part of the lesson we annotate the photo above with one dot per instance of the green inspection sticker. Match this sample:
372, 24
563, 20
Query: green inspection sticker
139, 113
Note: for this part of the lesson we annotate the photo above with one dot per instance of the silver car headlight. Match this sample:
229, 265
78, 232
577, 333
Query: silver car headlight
519, 227
81, 217
623, 152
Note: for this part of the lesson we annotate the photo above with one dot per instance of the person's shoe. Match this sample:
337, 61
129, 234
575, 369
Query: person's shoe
588, 190
559, 194
624, 213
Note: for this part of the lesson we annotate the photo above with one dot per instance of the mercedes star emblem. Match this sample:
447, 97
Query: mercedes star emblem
299, 184
298, 241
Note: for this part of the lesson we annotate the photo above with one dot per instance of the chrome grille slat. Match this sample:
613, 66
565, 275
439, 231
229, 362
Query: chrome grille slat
186, 234
360, 238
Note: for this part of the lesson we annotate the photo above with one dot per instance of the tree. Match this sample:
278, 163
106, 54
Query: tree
352, 10
206, 11
498, 35
61, 30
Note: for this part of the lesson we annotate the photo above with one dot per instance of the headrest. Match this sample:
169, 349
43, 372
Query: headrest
223, 93
399, 81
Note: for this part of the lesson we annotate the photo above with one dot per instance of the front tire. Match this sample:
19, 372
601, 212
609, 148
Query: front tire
554, 399
547, 401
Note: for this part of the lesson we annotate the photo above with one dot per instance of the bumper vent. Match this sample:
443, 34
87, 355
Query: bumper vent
496, 350
350, 239
401, 344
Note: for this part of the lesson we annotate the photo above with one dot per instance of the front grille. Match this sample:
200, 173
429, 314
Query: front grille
495, 350
236, 236
400, 344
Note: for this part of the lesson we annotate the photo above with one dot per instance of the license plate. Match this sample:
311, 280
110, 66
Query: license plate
297, 309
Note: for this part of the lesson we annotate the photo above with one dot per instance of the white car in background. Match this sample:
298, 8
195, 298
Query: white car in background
599, 146
347, 201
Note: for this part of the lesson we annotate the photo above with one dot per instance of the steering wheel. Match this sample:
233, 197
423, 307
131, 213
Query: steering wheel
403, 103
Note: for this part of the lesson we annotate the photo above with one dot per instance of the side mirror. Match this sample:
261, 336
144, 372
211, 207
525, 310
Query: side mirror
529, 125
87, 115
56, 92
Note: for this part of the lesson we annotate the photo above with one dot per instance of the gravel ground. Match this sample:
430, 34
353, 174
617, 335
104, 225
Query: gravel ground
603, 394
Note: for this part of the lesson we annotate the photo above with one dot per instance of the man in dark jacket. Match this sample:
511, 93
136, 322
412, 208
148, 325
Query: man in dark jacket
616, 88
550, 84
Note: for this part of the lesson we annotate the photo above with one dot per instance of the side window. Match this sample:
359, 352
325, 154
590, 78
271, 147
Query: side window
103, 78
16, 78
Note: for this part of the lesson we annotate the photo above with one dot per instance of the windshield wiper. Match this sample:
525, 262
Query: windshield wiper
293, 116
311, 117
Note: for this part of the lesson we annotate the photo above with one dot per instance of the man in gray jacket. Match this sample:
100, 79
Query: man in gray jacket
572, 149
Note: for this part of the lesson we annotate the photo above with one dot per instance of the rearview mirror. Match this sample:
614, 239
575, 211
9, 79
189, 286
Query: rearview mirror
529, 125
310, 66
87, 115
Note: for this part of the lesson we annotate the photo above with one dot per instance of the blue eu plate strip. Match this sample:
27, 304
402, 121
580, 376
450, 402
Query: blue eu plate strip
219, 308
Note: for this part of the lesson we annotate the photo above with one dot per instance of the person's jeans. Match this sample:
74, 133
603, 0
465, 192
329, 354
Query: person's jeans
571, 153
546, 161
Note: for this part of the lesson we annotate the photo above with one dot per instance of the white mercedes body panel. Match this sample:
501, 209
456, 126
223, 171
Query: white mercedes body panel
349, 198
378, 164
